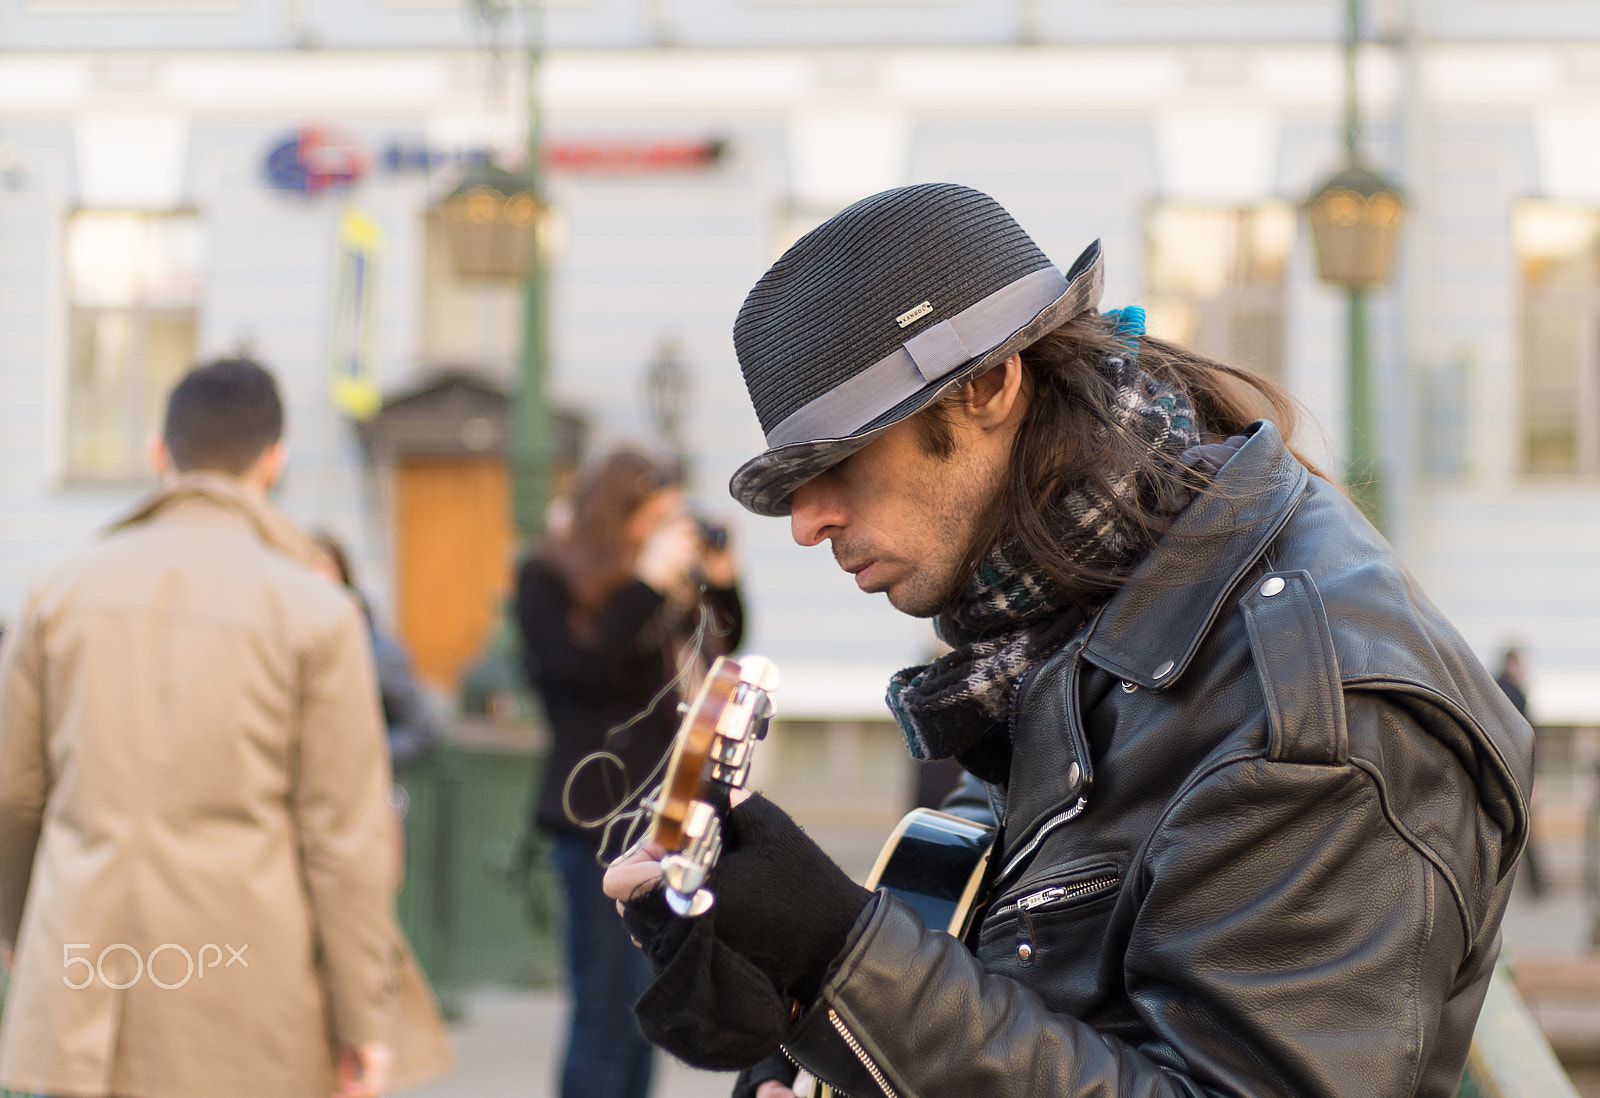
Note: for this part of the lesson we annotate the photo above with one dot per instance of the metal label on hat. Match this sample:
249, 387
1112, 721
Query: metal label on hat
911, 316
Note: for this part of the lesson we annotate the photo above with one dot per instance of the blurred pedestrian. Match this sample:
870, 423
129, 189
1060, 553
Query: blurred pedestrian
1512, 679
194, 793
421, 1046
413, 730
632, 595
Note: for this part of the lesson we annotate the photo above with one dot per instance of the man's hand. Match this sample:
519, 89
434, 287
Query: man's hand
638, 871
634, 874
669, 555
781, 902
773, 1089
364, 1070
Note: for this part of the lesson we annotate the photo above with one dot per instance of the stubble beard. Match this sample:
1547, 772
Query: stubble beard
967, 515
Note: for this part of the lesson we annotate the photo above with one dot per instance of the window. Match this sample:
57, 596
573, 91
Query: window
134, 285
1558, 246
1216, 280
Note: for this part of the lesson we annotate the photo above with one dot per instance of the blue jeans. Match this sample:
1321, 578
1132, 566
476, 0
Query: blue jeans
606, 1056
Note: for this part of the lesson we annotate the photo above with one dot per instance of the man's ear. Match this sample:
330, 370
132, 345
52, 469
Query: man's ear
269, 466
161, 458
995, 395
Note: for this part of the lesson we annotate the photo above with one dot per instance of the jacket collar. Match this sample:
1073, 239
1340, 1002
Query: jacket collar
1149, 630
266, 522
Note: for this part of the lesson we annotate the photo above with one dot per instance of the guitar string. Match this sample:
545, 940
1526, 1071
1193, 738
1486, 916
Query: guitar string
696, 640
637, 813
637, 817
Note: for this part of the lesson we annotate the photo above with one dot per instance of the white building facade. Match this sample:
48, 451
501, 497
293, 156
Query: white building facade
144, 224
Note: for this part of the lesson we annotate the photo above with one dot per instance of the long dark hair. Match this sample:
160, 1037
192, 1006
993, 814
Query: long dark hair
1069, 438
593, 554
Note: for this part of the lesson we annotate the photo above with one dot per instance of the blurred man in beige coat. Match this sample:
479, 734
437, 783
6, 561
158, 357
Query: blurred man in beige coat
193, 794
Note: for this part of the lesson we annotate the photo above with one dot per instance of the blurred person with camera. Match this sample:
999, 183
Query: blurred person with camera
620, 610
194, 793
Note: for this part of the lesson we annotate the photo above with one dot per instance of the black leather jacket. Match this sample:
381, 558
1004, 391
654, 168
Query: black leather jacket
1257, 839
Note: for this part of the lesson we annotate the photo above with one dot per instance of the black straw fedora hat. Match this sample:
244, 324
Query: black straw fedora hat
880, 311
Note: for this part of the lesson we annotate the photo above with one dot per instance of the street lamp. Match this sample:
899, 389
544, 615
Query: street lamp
1355, 221
666, 386
498, 224
491, 221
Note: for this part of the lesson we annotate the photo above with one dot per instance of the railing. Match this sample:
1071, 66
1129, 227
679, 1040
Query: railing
1510, 1057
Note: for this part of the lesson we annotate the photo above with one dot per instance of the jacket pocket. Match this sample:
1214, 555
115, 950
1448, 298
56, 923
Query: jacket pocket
1037, 923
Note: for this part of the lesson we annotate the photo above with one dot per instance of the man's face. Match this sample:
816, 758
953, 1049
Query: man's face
900, 519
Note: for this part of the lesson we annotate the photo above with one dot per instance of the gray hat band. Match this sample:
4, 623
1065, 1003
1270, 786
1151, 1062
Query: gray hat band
925, 357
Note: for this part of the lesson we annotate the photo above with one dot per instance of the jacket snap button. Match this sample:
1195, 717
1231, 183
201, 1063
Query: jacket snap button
1074, 772
1024, 951
1271, 587
1129, 687
1165, 669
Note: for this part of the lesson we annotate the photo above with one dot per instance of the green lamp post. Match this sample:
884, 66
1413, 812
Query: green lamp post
498, 224
531, 443
1355, 220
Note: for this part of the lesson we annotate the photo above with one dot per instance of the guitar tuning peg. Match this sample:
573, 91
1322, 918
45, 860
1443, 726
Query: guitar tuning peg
692, 906
759, 672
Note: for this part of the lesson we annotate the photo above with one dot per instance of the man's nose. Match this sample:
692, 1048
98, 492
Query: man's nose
813, 513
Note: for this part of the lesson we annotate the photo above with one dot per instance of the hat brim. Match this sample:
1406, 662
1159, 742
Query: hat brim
766, 483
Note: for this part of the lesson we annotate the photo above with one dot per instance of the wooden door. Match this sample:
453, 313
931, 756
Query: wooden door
454, 561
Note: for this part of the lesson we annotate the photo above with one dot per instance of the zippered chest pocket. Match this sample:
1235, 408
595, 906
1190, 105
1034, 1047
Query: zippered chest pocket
1049, 921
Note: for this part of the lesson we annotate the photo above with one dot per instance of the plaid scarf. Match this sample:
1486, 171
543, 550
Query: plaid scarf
1010, 614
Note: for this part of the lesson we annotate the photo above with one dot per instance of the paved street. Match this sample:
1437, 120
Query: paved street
509, 1043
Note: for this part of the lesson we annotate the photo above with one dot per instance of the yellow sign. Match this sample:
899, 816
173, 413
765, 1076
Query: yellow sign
353, 377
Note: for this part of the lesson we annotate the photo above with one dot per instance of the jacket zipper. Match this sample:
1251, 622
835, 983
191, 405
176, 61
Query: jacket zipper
855, 1048
1039, 836
861, 1054
1018, 691
1079, 890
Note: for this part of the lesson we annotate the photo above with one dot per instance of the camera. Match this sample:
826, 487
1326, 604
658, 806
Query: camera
713, 535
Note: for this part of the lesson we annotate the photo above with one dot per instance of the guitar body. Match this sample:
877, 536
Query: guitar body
934, 862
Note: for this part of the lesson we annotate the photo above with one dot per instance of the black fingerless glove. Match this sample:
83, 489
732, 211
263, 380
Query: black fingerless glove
708, 1006
658, 930
782, 902
725, 980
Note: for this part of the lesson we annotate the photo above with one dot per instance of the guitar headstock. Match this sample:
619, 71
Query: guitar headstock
713, 748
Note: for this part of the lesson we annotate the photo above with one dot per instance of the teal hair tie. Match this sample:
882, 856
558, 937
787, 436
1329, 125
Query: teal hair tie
1130, 326
1129, 320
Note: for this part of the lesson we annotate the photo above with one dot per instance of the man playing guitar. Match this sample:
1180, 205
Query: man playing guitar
1258, 804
